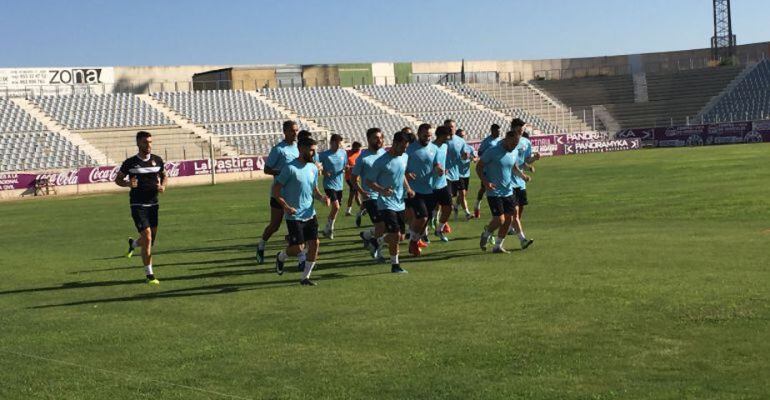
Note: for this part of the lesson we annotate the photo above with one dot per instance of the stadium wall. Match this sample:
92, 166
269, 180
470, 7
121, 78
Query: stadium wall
321, 75
355, 74
403, 72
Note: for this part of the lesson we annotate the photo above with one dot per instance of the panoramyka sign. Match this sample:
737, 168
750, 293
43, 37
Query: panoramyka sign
55, 80
602, 146
699, 135
106, 174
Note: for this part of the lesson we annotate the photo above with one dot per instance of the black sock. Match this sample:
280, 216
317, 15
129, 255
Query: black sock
374, 243
151, 277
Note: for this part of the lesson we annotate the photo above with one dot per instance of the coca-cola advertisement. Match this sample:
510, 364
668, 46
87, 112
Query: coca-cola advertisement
106, 174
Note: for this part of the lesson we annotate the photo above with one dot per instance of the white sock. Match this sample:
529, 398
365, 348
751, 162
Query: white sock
467, 212
261, 244
302, 256
148, 270
308, 269
331, 224
499, 244
135, 244
394, 259
441, 228
282, 256
478, 204
521, 236
350, 210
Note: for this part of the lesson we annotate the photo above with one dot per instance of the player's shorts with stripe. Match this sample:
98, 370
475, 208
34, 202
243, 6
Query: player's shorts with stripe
422, 204
395, 221
301, 232
521, 196
333, 195
443, 196
145, 216
502, 205
371, 208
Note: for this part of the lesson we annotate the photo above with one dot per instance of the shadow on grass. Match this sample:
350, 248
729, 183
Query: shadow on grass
210, 290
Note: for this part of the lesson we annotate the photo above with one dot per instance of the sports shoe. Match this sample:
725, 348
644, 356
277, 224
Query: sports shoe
152, 281
414, 248
328, 233
307, 282
499, 250
358, 220
396, 269
421, 244
260, 256
484, 241
130, 251
526, 243
511, 232
425, 239
441, 236
468, 216
278, 264
348, 213
477, 213
447, 229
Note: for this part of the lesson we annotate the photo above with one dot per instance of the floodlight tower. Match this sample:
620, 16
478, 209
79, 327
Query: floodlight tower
723, 41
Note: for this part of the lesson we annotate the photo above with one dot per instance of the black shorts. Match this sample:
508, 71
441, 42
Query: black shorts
301, 232
394, 221
144, 217
502, 205
458, 186
521, 196
422, 204
443, 196
333, 195
371, 208
274, 204
466, 183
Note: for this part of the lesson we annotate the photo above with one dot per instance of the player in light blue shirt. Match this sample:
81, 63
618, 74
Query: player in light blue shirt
280, 155
333, 162
489, 141
388, 179
441, 190
496, 169
464, 177
294, 190
421, 169
523, 162
368, 196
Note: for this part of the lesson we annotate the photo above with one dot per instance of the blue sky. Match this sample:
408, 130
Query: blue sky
175, 32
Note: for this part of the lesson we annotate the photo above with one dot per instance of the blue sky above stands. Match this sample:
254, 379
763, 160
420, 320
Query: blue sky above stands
175, 32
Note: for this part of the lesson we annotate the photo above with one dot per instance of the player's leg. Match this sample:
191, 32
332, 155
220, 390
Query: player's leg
509, 214
419, 210
497, 220
444, 199
479, 197
310, 234
394, 226
294, 247
276, 216
351, 195
335, 198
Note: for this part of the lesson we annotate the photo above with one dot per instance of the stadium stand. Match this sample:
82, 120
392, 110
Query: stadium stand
673, 98
520, 101
100, 111
26, 145
429, 103
231, 114
338, 110
748, 99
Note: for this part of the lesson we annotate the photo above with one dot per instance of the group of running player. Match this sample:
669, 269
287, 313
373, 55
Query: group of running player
405, 190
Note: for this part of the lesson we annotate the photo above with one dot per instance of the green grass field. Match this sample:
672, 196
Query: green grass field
649, 278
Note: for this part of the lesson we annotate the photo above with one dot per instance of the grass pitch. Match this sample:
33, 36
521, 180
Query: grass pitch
648, 279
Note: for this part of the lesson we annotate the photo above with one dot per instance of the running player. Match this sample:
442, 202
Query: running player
294, 190
280, 155
333, 161
387, 178
409, 214
523, 162
146, 178
355, 150
489, 141
420, 169
369, 196
441, 189
464, 183
496, 169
